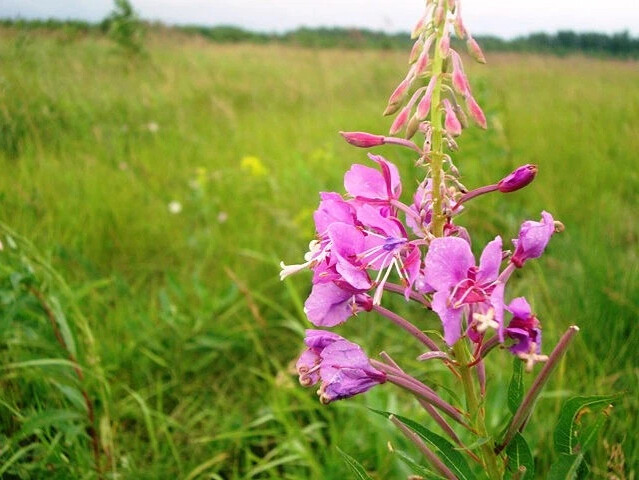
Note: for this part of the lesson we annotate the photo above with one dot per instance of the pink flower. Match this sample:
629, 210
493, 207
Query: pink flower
341, 367
533, 238
329, 305
524, 328
371, 185
459, 284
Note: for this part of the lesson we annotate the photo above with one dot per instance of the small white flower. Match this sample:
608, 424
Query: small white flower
175, 207
222, 217
153, 127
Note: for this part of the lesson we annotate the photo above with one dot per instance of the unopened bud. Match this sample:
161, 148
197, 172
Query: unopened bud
396, 97
460, 30
418, 28
451, 122
518, 179
476, 112
422, 62
416, 50
460, 81
461, 115
412, 127
444, 45
438, 16
474, 50
400, 120
424, 105
363, 139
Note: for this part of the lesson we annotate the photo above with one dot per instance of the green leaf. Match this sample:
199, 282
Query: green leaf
521, 465
567, 431
569, 467
63, 324
355, 465
417, 468
443, 448
516, 386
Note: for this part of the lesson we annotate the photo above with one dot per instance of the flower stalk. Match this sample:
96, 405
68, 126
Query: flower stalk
477, 413
437, 150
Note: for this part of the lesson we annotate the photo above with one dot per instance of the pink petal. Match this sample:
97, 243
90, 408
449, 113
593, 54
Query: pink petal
447, 262
490, 261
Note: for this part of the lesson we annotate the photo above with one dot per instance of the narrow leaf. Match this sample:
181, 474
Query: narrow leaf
63, 325
521, 465
355, 465
452, 457
566, 434
516, 386
417, 468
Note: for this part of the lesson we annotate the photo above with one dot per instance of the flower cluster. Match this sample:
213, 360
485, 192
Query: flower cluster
370, 237
377, 238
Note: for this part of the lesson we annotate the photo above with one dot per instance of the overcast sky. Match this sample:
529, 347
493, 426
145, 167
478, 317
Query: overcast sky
501, 17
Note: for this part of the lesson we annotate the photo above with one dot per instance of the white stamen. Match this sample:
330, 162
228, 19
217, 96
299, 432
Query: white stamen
377, 298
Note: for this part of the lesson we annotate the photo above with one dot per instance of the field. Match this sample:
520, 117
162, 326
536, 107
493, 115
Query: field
154, 197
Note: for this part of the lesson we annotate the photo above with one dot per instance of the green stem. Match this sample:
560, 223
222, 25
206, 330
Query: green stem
437, 150
476, 410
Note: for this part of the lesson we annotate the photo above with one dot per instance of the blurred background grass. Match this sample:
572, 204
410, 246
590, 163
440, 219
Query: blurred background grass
165, 190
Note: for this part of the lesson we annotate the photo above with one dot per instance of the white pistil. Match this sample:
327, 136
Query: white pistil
532, 357
314, 255
485, 321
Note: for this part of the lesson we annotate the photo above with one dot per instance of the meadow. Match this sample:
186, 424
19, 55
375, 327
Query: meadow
147, 201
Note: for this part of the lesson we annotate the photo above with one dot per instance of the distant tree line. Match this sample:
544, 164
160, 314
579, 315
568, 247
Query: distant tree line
621, 45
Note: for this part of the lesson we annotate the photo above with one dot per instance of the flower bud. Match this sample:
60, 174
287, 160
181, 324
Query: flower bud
451, 122
400, 120
415, 51
476, 112
418, 28
518, 179
460, 30
412, 127
396, 97
438, 16
363, 139
424, 105
463, 119
460, 82
422, 61
474, 50
444, 45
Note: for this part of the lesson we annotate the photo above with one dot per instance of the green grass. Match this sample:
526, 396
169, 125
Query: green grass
190, 368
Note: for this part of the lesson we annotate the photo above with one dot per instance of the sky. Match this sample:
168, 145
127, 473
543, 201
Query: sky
506, 18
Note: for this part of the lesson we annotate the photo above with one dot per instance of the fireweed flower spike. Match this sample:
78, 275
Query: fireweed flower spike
368, 241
